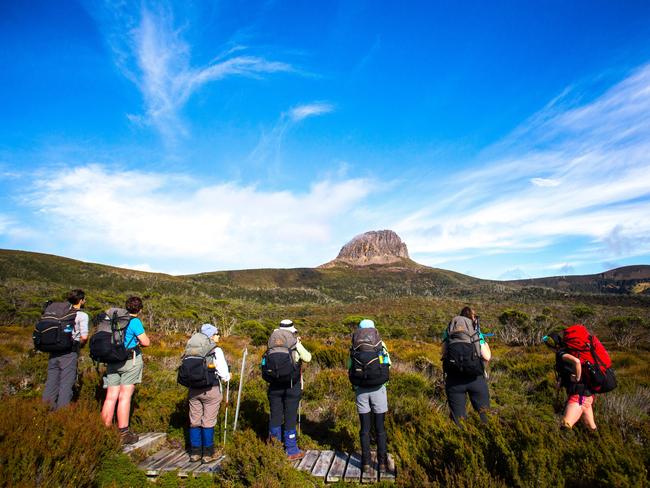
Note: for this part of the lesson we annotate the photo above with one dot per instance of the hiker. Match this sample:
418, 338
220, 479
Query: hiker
62, 366
570, 377
583, 367
368, 371
121, 377
282, 369
464, 357
202, 370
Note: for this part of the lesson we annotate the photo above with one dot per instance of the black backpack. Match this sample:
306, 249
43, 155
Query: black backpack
107, 343
369, 365
197, 367
278, 365
463, 356
53, 332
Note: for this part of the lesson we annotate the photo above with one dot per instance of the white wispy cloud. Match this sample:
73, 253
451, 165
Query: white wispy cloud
151, 51
268, 149
150, 216
545, 182
595, 159
302, 112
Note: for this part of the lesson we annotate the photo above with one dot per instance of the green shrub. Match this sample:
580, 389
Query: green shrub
253, 462
62, 448
118, 470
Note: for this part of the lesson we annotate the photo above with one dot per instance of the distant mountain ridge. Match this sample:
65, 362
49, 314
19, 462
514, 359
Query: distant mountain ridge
624, 280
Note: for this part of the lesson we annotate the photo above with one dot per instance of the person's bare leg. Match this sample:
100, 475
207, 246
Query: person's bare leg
588, 418
124, 405
108, 409
572, 414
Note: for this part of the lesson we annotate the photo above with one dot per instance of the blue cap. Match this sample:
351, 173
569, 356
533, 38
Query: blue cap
209, 330
366, 324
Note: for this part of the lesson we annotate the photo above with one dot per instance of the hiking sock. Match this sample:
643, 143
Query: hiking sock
207, 435
275, 433
195, 438
124, 430
291, 442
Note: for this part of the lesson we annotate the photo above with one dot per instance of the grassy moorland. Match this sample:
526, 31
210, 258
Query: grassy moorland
521, 446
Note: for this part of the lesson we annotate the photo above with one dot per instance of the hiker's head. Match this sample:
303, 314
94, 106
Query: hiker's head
212, 331
468, 312
553, 340
133, 305
366, 324
76, 297
287, 324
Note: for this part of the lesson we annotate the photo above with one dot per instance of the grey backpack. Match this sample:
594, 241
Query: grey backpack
463, 348
107, 343
278, 364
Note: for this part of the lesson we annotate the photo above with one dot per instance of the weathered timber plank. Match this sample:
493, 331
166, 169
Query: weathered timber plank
176, 461
337, 469
211, 467
391, 472
307, 462
153, 468
323, 463
153, 461
147, 441
371, 476
353, 471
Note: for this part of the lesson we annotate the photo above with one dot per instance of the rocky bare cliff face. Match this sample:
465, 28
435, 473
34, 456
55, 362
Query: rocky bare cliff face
374, 247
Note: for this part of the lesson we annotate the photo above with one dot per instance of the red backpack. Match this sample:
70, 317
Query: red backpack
596, 363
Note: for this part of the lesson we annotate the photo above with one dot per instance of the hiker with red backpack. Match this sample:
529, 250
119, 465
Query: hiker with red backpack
464, 356
584, 368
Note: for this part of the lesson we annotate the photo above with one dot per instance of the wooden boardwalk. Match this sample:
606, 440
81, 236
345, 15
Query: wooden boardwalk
177, 459
329, 466
333, 466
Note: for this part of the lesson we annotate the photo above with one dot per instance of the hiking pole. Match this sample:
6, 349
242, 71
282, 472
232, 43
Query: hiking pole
225, 420
241, 383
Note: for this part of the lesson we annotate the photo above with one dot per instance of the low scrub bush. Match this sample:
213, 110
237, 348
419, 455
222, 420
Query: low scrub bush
43, 448
253, 462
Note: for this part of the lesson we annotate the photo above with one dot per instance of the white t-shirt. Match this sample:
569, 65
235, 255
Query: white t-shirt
80, 326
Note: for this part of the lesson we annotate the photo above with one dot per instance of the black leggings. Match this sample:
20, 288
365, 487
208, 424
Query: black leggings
284, 406
364, 434
457, 390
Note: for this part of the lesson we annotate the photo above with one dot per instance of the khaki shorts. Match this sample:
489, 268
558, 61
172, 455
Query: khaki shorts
127, 373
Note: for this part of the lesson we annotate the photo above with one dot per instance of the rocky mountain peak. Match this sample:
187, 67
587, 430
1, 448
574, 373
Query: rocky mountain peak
374, 247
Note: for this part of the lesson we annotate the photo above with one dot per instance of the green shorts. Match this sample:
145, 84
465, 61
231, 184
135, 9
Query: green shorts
127, 373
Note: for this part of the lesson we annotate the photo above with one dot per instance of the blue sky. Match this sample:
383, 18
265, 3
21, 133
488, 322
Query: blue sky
499, 139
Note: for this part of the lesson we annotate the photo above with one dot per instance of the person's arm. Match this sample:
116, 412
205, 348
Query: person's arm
486, 353
82, 318
143, 340
221, 365
576, 365
303, 354
139, 333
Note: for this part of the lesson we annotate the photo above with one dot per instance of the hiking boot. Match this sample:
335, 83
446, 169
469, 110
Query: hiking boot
366, 469
295, 456
195, 454
128, 437
382, 462
209, 455
291, 445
